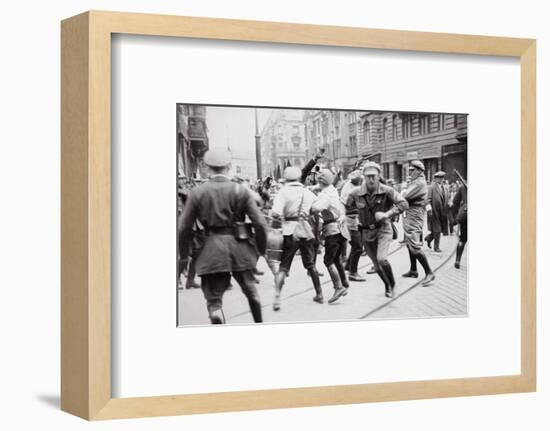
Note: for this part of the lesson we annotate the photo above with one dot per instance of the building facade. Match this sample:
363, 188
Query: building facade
192, 139
395, 139
337, 132
282, 141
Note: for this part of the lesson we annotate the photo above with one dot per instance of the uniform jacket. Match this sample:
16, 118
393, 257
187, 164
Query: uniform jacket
218, 204
438, 203
332, 210
417, 197
287, 203
352, 213
460, 205
381, 200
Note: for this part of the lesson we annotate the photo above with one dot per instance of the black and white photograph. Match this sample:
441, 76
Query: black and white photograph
307, 215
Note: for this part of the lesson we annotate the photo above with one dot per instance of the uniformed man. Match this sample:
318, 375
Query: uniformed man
221, 206
335, 232
187, 266
292, 209
377, 204
413, 221
352, 219
460, 205
437, 211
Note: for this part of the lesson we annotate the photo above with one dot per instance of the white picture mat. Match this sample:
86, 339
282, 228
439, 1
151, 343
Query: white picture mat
153, 357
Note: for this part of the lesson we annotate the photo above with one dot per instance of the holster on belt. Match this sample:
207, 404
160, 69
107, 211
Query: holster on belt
242, 230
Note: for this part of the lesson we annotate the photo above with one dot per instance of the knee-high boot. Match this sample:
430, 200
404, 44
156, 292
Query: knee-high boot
316, 285
437, 238
342, 274
256, 310
384, 277
279, 282
459, 250
336, 283
426, 266
413, 271
389, 273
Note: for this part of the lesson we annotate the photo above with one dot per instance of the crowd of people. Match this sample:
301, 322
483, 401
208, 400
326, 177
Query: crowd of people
226, 224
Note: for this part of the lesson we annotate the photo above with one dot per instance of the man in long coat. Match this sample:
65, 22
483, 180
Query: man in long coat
437, 206
413, 221
221, 207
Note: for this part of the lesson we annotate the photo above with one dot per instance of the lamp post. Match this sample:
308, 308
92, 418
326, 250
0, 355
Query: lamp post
258, 148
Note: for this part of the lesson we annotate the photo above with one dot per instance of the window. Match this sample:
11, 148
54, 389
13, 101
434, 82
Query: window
353, 145
424, 126
405, 122
394, 127
385, 130
386, 170
415, 126
366, 130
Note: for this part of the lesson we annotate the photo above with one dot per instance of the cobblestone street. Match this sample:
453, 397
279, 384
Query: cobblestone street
445, 297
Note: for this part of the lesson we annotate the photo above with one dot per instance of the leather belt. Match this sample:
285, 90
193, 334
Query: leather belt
222, 230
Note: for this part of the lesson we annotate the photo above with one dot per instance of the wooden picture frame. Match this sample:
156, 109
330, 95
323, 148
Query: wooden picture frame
86, 213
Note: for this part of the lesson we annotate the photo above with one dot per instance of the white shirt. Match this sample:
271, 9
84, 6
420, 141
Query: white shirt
287, 203
328, 199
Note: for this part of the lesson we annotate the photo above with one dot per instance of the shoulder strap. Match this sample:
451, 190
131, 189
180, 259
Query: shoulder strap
301, 203
236, 207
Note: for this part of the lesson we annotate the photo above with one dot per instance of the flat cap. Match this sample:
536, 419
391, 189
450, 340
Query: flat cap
418, 165
217, 157
292, 173
439, 174
325, 177
369, 168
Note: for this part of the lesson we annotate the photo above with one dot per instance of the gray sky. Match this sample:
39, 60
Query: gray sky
234, 127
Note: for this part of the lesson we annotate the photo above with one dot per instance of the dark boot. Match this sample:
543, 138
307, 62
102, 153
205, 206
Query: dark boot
413, 272
384, 277
279, 282
389, 272
459, 250
316, 285
437, 238
426, 266
387, 288
429, 239
342, 274
339, 290
256, 310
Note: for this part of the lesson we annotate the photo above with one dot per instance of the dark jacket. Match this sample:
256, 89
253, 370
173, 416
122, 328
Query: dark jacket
460, 205
438, 200
416, 196
381, 200
307, 169
217, 204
